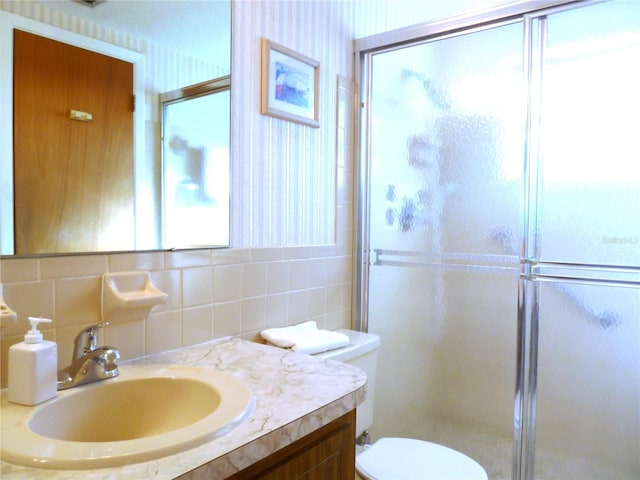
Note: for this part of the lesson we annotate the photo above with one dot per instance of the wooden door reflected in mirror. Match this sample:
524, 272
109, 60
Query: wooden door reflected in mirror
73, 174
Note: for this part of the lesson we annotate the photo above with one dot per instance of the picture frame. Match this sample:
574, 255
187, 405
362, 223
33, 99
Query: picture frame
289, 85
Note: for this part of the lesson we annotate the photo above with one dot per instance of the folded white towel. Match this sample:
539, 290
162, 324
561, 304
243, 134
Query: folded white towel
305, 338
286, 337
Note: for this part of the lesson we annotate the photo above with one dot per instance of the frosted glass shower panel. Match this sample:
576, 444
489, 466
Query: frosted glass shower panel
436, 327
588, 401
589, 154
446, 144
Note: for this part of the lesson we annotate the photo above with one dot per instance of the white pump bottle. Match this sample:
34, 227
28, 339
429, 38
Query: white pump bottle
33, 368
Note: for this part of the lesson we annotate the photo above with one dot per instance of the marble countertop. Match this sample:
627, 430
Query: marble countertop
295, 394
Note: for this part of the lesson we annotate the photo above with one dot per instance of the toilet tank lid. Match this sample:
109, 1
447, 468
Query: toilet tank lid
360, 343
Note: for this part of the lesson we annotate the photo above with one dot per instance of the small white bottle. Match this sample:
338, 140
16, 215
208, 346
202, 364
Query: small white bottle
33, 368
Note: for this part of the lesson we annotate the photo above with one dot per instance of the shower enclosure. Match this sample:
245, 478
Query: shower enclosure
499, 235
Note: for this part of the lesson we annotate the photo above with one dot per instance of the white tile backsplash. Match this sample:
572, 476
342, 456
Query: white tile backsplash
27, 269
197, 286
238, 296
277, 310
227, 319
299, 274
228, 282
28, 299
277, 277
136, 261
170, 282
128, 338
254, 314
75, 303
197, 325
255, 280
73, 266
163, 332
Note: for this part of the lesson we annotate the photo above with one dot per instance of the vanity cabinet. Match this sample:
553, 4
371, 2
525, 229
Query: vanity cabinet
327, 453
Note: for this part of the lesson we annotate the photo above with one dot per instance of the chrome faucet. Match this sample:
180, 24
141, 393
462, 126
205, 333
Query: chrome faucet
90, 362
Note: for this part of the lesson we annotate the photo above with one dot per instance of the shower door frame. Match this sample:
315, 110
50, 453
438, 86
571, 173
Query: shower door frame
526, 12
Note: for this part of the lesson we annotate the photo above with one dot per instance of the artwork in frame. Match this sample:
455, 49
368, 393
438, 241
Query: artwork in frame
289, 84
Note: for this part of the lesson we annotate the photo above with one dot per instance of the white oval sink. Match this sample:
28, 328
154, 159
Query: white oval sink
145, 413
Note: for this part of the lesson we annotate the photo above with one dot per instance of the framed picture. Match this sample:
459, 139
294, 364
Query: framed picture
289, 84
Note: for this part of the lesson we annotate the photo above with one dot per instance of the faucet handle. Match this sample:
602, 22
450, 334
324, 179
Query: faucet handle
109, 358
87, 339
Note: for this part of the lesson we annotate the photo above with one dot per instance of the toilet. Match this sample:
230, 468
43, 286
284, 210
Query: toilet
392, 458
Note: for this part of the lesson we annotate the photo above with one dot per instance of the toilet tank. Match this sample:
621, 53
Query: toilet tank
361, 352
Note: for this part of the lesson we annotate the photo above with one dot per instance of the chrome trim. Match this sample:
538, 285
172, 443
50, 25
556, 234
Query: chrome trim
596, 267
532, 180
588, 274
449, 261
89, 362
538, 159
361, 196
204, 88
458, 23
586, 281
525, 209
446, 266
436, 36
519, 394
532, 383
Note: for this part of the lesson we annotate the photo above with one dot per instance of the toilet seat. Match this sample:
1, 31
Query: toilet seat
411, 459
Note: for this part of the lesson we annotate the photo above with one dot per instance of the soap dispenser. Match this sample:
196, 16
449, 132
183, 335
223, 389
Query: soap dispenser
33, 368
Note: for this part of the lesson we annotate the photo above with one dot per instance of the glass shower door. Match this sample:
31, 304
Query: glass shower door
585, 245
445, 186
504, 252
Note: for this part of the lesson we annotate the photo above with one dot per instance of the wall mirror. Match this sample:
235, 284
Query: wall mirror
173, 44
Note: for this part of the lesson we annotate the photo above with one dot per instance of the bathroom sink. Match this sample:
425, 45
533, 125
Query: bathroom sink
146, 412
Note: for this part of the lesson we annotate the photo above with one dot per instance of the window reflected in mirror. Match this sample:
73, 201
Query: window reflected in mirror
195, 165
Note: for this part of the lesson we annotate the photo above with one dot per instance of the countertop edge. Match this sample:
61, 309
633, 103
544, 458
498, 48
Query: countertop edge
254, 451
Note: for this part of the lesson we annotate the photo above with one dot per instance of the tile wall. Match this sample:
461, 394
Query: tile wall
212, 293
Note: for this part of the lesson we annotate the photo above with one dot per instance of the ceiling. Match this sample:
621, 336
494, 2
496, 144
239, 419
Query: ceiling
191, 26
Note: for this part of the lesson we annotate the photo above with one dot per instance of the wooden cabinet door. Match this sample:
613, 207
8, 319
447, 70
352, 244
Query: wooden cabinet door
73, 179
326, 454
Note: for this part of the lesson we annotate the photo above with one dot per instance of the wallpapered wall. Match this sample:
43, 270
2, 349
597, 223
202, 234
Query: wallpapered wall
283, 177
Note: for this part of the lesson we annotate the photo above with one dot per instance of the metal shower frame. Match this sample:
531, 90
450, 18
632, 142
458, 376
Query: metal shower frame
532, 14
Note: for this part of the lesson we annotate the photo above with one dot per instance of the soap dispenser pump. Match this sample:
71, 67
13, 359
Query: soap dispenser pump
33, 367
